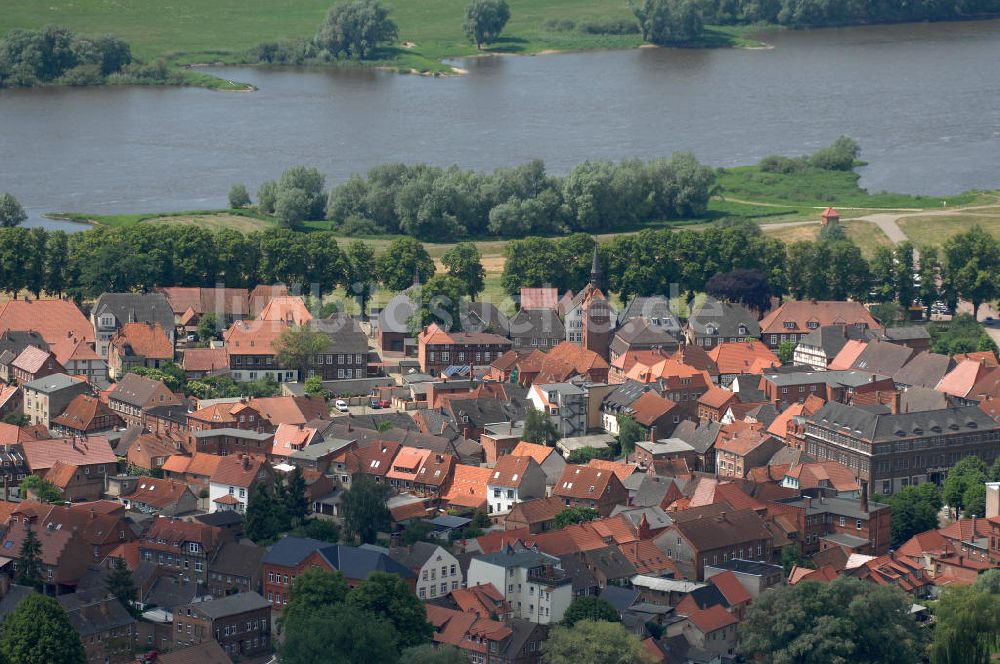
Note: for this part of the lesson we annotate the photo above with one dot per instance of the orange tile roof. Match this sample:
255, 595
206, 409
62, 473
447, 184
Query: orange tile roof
291, 410
583, 482
81, 412
731, 588
742, 357
960, 380
205, 359
498, 539
147, 340
716, 397
509, 471
483, 600
622, 470
406, 463
287, 308
32, 359
743, 442
668, 369
255, 337
537, 452
536, 510
571, 539
156, 492
712, 619
237, 470
468, 486
845, 359
61, 474
290, 438
614, 528
539, 298
801, 312
647, 558
567, 359
43, 454
650, 407
930, 541
53, 319
987, 357
201, 464
833, 474
435, 335
779, 426
216, 412
824, 574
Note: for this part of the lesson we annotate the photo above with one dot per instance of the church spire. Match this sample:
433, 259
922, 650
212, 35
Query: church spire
595, 270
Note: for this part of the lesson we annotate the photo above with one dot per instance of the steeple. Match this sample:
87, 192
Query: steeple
595, 270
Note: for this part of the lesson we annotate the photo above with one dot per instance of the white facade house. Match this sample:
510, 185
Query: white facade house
534, 583
513, 479
438, 572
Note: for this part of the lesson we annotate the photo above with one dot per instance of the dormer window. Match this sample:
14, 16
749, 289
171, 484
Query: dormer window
812, 325
743, 329
789, 325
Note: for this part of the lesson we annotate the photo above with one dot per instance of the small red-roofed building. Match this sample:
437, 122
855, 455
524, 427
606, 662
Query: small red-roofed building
91, 457
712, 629
736, 595
194, 470
289, 439
742, 358
160, 496
961, 381
484, 600
150, 452
568, 360
434, 475
583, 486
403, 469
252, 355
179, 547
714, 403
468, 488
290, 309
821, 477
33, 363
376, 459
736, 455
201, 362
551, 462
537, 515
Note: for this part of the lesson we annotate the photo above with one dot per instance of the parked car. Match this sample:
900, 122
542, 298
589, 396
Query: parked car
989, 321
192, 337
341, 405
384, 403
375, 403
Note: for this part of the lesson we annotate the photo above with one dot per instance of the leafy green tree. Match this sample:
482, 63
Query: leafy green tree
966, 474
364, 509
890, 314
314, 386
417, 531
995, 470
291, 207
666, 22
747, 287
593, 642
387, 596
930, 272
433, 654
121, 585
29, 564
572, 515
326, 263
480, 519
312, 590
171, 375
967, 628
57, 267
337, 634
588, 607
531, 263
847, 620
582, 455
792, 557
239, 197
297, 345
464, 263
404, 260
841, 155
265, 518
962, 334
208, 326
438, 301
17, 419
34, 261
355, 29
786, 351
267, 195
319, 529
914, 510
485, 20
293, 497
971, 266
11, 211
630, 432
38, 631
43, 490
539, 428
360, 275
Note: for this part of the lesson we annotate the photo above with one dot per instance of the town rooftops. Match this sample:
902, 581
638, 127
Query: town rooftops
583, 482
798, 316
664, 446
134, 390
509, 471
724, 320
43, 454
850, 378
52, 319
53, 383
750, 567
205, 359
539, 298
31, 360
81, 412
147, 340
255, 337
434, 335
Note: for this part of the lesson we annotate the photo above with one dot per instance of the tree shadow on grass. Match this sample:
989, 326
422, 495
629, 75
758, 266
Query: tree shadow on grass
506, 45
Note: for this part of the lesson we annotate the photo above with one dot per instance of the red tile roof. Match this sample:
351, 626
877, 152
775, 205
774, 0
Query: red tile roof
254, 337
539, 298
237, 470
406, 463
43, 454
468, 486
435, 335
81, 412
622, 470
205, 359
801, 312
845, 359
712, 619
61, 474
959, 382
566, 360
288, 308
647, 558
537, 452
201, 464
731, 588
743, 357
377, 457
290, 438
583, 482
716, 397
31, 360
160, 493
509, 471
53, 319
291, 410
146, 340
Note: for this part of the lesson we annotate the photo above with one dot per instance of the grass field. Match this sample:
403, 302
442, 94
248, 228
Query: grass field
190, 31
867, 236
936, 229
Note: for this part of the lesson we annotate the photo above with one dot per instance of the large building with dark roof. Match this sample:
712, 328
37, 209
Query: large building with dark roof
889, 452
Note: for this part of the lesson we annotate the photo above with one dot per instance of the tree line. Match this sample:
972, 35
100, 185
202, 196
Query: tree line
56, 55
431, 202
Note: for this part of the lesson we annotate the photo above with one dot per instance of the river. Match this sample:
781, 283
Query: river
921, 100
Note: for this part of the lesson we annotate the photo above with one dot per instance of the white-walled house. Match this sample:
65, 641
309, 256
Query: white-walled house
230, 485
513, 479
534, 583
438, 572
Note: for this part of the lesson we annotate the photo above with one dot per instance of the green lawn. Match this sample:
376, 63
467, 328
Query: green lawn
815, 187
935, 230
189, 31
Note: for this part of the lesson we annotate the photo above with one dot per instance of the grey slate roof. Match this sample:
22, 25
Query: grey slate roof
238, 558
640, 334
701, 438
883, 358
831, 339
849, 378
90, 616
394, 317
352, 562
15, 341
232, 605
907, 333
483, 317
414, 557
537, 323
136, 308
518, 558
620, 598
652, 490
916, 399
290, 551
344, 333
924, 370
725, 317
170, 592
625, 394
53, 383
13, 597
654, 307
134, 390
877, 427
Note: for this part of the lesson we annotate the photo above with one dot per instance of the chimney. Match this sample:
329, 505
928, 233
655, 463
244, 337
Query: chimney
809, 502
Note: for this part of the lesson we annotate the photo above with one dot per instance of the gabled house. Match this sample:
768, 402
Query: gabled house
290, 309
548, 458
795, 319
189, 304
564, 403
160, 496
584, 486
377, 459
481, 639
534, 329
34, 363
819, 348
405, 464
240, 623
437, 571
150, 451
135, 394
702, 536
346, 353
12, 344
513, 479
138, 345
715, 322
183, 549
252, 354
114, 310
234, 478
85, 460
85, 414
534, 583
537, 515
434, 475
641, 334
438, 349
742, 358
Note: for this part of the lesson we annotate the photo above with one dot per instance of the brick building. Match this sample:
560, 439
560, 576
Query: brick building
240, 623
439, 349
